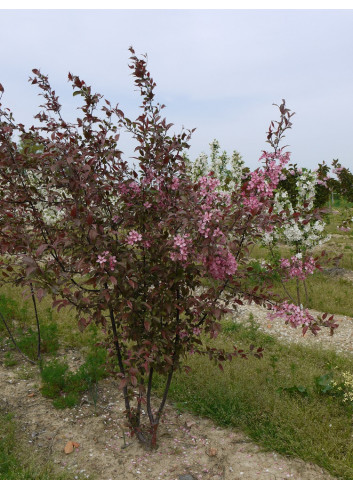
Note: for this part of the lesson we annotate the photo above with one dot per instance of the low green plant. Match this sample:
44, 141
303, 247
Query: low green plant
27, 340
10, 360
324, 383
65, 386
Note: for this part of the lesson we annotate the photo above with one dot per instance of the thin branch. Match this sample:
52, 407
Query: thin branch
14, 341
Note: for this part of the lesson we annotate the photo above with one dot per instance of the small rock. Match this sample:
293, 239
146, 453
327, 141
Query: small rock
186, 477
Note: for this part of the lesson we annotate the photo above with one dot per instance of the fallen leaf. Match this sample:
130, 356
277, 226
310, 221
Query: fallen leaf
189, 424
211, 452
69, 447
31, 395
75, 444
269, 326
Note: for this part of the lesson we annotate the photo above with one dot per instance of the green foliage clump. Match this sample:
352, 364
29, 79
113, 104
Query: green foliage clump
65, 387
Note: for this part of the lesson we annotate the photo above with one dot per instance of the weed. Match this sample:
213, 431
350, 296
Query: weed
9, 360
324, 383
65, 387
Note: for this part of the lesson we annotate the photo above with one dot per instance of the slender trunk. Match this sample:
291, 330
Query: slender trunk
134, 422
120, 361
165, 394
287, 291
306, 294
38, 326
149, 390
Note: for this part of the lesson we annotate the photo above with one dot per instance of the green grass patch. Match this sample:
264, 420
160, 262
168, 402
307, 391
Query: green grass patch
285, 401
23, 311
325, 293
26, 336
66, 387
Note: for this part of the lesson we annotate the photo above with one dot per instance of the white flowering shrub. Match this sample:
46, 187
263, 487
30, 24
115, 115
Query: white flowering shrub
302, 227
228, 170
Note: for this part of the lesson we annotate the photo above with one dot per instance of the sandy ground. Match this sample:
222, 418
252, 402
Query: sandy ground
189, 447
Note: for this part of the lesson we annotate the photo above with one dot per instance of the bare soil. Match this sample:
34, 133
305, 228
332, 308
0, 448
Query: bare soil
190, 447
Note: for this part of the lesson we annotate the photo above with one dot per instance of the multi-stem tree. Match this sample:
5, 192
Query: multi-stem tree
153, 257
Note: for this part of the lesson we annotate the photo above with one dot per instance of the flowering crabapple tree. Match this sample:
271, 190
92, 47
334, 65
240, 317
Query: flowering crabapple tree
152, 256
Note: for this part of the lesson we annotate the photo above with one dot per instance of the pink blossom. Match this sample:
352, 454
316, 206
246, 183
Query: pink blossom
175, 183
135, 187
133, 237
294, 315
181, 243
102, 258
298, 268
183, 334
220, 264
112, 263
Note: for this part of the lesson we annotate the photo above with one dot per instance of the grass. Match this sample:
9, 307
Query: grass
22, 310
66, 387
325, 293
16, 463
280, 401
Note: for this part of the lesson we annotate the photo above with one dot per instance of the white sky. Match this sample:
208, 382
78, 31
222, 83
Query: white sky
216, 70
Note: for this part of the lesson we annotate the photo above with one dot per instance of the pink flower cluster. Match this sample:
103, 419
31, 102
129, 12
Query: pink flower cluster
297, 268
175, 183
263, 182
204, 229
104, 258
221, 264
181, 243
208, 184
133, 237
183, 334
294, 315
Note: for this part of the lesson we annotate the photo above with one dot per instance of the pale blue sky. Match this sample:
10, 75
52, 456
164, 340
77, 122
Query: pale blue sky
216, 70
